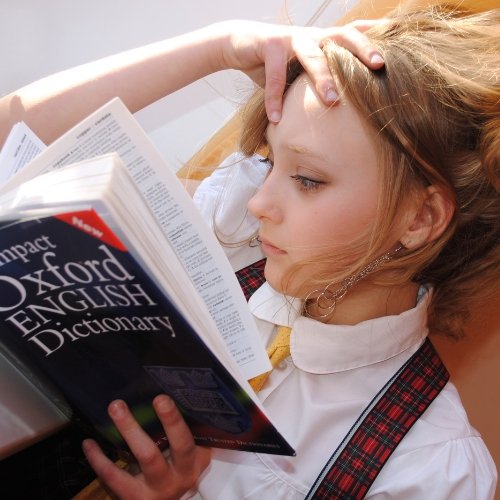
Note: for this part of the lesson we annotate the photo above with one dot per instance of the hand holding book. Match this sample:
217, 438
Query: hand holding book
172, 477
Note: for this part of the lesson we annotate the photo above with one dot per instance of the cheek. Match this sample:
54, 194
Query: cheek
339, 223
334, 225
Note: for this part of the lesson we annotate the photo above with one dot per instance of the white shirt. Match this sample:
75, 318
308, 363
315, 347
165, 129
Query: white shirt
333, 373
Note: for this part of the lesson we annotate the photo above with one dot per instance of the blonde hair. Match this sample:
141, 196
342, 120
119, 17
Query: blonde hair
435, 107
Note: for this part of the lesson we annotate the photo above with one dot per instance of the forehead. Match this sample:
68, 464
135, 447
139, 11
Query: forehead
335, 129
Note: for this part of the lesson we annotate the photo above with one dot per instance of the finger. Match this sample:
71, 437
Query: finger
314, 62
148, 455
353, 39
188, 460
275, 71
365, 24
116, 478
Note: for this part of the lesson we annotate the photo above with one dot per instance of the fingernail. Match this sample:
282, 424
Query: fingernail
164, 403
376, 59
117, 408
87, 445
331, 95
275, 117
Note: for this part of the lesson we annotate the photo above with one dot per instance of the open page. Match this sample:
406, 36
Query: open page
113, 129
21, 146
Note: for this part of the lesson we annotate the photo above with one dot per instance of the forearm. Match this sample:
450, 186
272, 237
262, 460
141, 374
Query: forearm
139, 77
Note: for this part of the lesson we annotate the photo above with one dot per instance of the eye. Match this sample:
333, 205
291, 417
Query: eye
307, 184
269, 162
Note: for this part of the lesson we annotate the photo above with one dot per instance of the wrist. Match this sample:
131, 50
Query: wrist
217, 41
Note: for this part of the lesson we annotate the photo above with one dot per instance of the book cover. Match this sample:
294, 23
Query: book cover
113, 129
75, 302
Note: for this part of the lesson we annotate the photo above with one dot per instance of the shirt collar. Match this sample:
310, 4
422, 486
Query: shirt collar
320, 348
274, 307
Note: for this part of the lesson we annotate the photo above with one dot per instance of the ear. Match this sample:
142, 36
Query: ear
431, 217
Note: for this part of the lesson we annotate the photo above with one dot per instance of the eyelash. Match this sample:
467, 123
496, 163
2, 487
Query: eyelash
268, 162
305, 183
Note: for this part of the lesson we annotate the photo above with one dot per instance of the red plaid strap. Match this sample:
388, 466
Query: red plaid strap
251, 277
380, 428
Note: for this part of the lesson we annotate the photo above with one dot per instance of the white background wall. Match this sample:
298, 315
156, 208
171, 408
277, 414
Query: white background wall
38, 38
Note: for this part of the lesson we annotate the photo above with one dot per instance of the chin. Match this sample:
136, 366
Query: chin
281, 284
274, 279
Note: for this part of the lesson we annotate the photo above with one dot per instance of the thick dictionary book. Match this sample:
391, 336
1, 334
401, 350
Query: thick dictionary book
109, 295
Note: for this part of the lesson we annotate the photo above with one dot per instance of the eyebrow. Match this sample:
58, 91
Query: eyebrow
302, 150
296, 148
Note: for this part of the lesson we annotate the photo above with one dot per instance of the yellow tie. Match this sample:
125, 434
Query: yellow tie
277, 352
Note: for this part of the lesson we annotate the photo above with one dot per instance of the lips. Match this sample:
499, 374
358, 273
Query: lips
269, 249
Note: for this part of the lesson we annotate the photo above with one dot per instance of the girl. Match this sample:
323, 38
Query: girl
379, 221
140, 76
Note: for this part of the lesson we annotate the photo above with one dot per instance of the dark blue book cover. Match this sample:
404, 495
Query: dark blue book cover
76, 304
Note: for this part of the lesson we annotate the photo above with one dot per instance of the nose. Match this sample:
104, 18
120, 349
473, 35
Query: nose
264, 205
